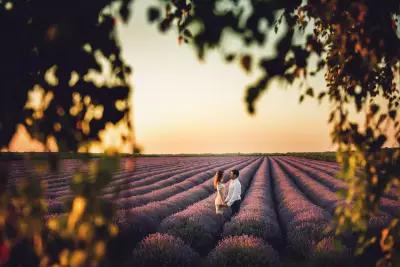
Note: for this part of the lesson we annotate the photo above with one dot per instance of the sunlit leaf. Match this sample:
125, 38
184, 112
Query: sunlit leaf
310, 92
245, 62
153, 14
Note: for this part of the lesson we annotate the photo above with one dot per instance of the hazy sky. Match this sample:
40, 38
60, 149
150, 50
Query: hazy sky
183, 105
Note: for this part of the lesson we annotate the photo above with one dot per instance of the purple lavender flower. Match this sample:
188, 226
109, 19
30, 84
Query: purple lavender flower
164, 250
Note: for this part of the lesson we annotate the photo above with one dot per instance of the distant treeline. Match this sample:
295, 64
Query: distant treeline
47, 155
327, 155
74, 155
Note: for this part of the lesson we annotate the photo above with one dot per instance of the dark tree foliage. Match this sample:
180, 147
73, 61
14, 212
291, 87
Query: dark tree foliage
356, 44
63, 78
67, 52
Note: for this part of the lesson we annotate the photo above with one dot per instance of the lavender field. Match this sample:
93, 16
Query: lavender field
166, 213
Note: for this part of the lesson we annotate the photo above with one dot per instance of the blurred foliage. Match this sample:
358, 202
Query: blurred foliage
78, 237
63, 77
8, 156
64, 80
356, 44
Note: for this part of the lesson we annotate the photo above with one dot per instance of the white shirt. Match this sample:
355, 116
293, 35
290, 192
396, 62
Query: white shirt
235, 190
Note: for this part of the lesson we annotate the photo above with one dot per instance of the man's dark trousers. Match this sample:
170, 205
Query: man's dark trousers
235, 207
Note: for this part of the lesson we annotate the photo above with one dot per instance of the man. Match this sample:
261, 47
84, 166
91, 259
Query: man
235, 190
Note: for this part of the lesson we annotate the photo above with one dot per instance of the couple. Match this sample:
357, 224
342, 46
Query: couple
233, 198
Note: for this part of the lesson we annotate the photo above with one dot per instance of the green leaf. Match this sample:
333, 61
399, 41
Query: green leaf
382, 118
245, 61
124, 12
310, 92
392, 114
374, 109
230, 57
187, 33
331, 116
153, 14
321, 95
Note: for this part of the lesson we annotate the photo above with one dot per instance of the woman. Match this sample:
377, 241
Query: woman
220, 187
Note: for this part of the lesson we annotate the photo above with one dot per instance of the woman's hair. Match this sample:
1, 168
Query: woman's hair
217, 178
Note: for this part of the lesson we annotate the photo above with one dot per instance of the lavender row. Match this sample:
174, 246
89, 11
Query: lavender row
257, 216
172, 186
140, 221
133, 173
198, 225
173, 179
322, 174
318, 193
56, 205
23, 168
321, 163
327, 199
178, 165
393, 193
151, 181
128, 176
302, 174
161, 193
305, 223
26, 169
145, 178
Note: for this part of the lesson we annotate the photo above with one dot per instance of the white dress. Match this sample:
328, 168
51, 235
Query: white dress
219, 199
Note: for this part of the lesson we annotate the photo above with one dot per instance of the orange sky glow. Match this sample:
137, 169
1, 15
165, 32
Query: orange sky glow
183, 105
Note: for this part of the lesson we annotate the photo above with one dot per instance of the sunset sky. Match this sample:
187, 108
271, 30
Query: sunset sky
183, 105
